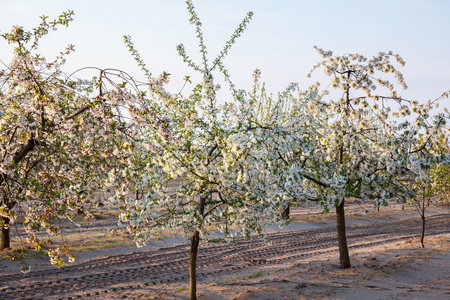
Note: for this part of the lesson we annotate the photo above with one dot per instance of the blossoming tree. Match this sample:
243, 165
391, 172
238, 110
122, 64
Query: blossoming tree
431, 180
55, 139
345, 142
187, 141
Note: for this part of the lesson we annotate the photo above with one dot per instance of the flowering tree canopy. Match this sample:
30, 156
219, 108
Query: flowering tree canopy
346, 141
186, 142
431, 179
55, 139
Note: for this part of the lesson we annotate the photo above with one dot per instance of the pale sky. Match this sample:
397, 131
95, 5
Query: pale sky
279, 40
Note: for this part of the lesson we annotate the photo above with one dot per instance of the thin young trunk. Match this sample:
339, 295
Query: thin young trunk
422, 216
5, 241
192, 266
344, 257
286, 213
422, 236
193, 256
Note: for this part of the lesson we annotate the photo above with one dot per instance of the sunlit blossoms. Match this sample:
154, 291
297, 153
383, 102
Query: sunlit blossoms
186, 140
211, 169
343, 142
56, 140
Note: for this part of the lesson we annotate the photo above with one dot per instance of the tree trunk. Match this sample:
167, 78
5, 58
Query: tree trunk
5, 241
193, 255
344, 258
192, 266
286, 213
422, 216
422, 236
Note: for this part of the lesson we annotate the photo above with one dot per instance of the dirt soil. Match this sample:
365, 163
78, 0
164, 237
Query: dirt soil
301, 263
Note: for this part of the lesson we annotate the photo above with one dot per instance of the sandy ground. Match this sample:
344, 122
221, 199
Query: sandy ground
393, 271
400, 270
